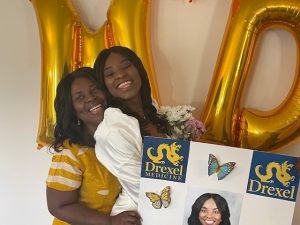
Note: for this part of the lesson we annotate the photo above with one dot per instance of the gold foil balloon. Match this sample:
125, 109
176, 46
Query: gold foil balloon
55, 22
251, 129
130, 23
67, 45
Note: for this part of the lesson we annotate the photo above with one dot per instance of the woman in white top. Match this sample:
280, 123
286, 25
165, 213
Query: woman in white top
119, 137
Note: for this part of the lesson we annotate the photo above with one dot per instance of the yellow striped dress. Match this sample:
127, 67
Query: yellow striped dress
77, 167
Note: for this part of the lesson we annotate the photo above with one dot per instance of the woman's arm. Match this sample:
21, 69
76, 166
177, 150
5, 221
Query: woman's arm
64, 205
119, 149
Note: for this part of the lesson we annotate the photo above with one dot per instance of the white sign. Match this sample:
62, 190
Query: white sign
254, 187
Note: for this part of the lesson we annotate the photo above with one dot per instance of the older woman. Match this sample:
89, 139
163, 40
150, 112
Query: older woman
80, 190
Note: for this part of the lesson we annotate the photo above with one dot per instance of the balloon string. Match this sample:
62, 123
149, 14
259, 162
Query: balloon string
109, 35
77, 47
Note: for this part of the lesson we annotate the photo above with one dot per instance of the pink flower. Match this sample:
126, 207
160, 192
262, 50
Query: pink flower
195, 128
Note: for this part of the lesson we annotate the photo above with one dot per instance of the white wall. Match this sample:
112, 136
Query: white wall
23, 169
184, 46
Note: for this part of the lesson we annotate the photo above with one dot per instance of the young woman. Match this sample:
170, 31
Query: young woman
122, 74
210, 209
80, 190
119, 137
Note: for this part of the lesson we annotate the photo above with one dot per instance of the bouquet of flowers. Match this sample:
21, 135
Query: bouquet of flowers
182, 124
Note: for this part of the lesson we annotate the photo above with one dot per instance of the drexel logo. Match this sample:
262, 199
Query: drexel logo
165, 159
282, 173
273, 176
171, 153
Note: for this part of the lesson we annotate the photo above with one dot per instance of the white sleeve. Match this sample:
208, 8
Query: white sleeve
119, 149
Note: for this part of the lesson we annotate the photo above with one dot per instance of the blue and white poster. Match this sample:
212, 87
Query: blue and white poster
256, 187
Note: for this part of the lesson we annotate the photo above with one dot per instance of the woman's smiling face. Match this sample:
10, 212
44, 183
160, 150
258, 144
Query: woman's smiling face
88, 101
121, 77
209, 213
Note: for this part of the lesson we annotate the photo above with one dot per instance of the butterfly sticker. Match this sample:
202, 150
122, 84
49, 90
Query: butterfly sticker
221, 170
158, 200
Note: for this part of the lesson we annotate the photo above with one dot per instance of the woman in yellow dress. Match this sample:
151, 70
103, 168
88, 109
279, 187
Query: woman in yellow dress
80, 190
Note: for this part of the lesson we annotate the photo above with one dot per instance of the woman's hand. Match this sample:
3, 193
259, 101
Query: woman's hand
127, 218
